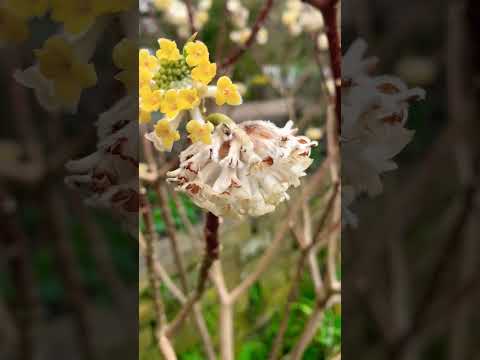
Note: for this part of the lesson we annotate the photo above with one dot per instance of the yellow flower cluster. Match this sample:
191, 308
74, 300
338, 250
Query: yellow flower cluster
76, 16
173, 81
58, 62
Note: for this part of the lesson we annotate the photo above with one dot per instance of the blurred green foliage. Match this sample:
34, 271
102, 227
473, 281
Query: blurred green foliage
123, 250
257, 343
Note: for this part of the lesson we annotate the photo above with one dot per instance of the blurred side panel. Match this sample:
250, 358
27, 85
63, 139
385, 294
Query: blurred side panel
410, 177
68, 180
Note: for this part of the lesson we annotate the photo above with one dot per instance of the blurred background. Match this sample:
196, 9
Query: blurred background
68, 272
411, 266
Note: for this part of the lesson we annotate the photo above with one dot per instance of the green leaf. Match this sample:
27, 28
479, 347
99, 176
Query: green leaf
253, 350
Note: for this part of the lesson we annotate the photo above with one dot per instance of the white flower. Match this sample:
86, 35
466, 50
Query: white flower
240, 36
299, 17
108, 178
262, 36
247, 169
374, 114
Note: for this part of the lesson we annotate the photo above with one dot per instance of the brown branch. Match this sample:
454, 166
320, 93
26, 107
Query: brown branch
206, 264
321, 4
150, 259
161, 273
223, 34
328, 8
239, 52
172, 234
191, 20
100, 251
68, 269
211, 254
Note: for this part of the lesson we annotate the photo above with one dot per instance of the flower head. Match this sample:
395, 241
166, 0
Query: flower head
151, 100
245, 170
109, 176
227, 92
170, 105
58, 62
147, 61
168, 50
164, 131
204, 72
200, 131
144, 77
188, 99
197, 53
165, 134
374, 113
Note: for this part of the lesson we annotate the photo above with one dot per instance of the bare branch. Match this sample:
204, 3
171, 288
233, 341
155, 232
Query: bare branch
238, 53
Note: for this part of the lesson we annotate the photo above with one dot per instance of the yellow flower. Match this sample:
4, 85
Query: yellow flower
188, 99
28, 8
197, 53
144, 116
145, 60
227, 92
124, 57
204, 72
76, 15
166, 133
12, 28
200, 132
150, 100
168, 50
57, 62
144, 77
170, 105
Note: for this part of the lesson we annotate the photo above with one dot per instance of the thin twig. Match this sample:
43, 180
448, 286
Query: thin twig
68, 270
150, 259
191, 19
172, 233
239, 52
211, 254
162, 274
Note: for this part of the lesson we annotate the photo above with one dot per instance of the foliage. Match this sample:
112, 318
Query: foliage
258, 343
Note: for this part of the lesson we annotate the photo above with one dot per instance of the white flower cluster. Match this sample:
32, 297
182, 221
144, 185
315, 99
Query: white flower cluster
239, 16
109, 177
175, 12
299, 17
247, 169
374, 114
